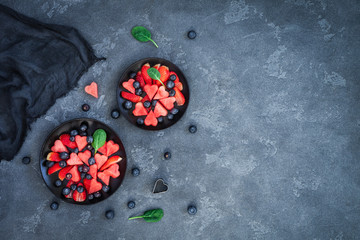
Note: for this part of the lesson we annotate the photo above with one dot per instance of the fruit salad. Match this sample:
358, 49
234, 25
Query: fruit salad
82, 170
151, 100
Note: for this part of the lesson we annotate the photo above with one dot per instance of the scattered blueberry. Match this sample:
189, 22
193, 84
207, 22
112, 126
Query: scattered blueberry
89, 139
88, 176
80, 189
147, 104
167, 155
170, 116
64, 155
191, 34
154, 102
68, 176
89, 147
192, 129
83, 134
127, 105
131, 204
160, 119
50, 163
83, 175
66, 191
26, 160
109, 214
85, 107
115, 114
174, 111
62, 163
74, 132
86, 168
80, 168
73, 187
192, 210
170, 84
140, 121
135, 172
136, 84
105, 188
90, 196
172, 77
76, 150
97, 194
138, 91
54, 206
72, 138
58, 183
172, 92
83, 127
132, 75
91, 161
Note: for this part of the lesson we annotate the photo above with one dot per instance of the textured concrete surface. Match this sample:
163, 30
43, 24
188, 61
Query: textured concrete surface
275, 95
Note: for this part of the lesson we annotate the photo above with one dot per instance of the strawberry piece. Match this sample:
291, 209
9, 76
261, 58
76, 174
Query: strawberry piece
74, 159
75, 175
111, 148
112, 171
159, 110
93, 171
92, 89
84, 156
151, 90
179, 85
100, 160
63, 172
146, 98
131, 97
162, 93
81, 141
54, 168
111, 161
140, 79
105, 178
59, 147
180, 99
144, 73
54, 157
65, 139
151, 119
140, 110
177, 82
168, 102
72, 191
103, 149
92, 185
129, 85
79, 197
164, 74
157, 66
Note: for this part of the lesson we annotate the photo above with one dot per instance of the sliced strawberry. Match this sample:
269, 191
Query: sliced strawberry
168, 102
53, 156
54, 168
75, 175
92, 89
151, 90
110, 161
81, 141
105, 178
146, 98
162, 93
93, 171
180, 99
151, 119
100, 160
164, 74
111, 148
92, 185
79, 197
140, 110
103, 149
157, 66
74, 159
72, 191
84, 156
144, 73
112, 171
65, 139
140, 79
179, 85
129, 85
159, 110
131, 97
63, 172
59, 147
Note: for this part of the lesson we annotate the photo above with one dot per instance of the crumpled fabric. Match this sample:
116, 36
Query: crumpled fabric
38, 63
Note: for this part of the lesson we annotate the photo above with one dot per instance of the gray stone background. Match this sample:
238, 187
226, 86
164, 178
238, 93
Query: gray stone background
274, 93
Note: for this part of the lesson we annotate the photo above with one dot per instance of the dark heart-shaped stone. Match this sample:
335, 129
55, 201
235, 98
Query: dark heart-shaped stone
160, 186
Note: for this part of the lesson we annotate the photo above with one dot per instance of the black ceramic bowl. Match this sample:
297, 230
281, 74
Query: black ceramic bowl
66, 128
135, 67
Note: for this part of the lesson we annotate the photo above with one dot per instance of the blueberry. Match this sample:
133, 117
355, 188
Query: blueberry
115, 114
192, 129
191, 34
160, 119
89, 139
26, 160
72, 138
80, 189
147, 104
83, 134
90, 196
66, 191
54, 206
86, 169
154, 102
192, 210
76, 150
80, 168
127, 105
88, 176
50, 163
83, 127
138, 91
172, 77
68, 176
74, 132
73, 187
85, 107
109, 214
140, 121
83, 175
64, 155
135, 172
132, 75
131, 204
174, 111
58, 183
62, 163
170, 84
136, 84
170, 116
97, 194
172, 92
105, 188
91, 161
89, 147
167, 155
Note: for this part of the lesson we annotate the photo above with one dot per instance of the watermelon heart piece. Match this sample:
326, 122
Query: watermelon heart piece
144, 73
109, 162
140, 79
54, 168
81, 141
162, 93
151, 119
180, 99
65, 139
53, 156
93, 171
103, 149
92, 89
92, 185
74, 160
159, 110
63, 172
113, 171
75, 175
151, 90
140, 110
131, 97
84, 156
79, 197
59, 147
105, 178
129, 85
100, 160
168, 102
111, 148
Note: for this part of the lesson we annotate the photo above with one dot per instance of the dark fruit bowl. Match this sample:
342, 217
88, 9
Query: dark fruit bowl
135, 67
66, 128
